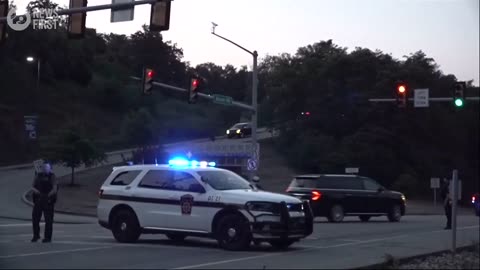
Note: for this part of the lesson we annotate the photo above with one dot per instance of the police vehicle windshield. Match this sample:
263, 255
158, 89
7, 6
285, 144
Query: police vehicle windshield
224, 180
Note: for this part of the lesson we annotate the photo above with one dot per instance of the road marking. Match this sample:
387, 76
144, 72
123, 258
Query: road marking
308, 249
16, 225
53, 252
84, 243
56, 233
349, 240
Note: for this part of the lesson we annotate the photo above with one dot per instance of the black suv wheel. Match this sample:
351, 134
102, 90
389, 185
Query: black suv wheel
395, 213
336, 213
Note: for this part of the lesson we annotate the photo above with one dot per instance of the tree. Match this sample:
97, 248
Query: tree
70, 148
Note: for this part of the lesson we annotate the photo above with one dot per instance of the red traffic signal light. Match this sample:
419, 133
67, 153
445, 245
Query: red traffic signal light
196, 86
147, 84
150, 74
194, 83
401, 93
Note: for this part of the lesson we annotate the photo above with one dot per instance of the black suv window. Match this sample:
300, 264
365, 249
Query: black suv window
370, 184
304, 182
125, 178
156, 179
183, 181
340, 182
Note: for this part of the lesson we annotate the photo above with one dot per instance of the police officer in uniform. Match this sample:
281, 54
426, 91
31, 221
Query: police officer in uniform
44, 197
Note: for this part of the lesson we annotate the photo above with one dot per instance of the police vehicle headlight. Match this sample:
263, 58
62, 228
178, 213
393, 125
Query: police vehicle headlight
228, 132
262, 207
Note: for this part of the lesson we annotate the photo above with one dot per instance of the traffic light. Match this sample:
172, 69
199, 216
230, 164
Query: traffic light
160, 15
3, 25
76, 22
401, 93
147, 84
196, 86
459, 94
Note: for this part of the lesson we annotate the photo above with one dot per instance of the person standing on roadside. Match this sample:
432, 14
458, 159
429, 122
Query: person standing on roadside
44, 189
447, 203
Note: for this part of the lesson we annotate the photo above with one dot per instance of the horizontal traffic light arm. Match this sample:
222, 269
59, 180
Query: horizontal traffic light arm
209, 97
439, 99
117, 6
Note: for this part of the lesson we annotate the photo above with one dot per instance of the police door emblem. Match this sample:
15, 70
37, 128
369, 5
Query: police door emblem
186, 204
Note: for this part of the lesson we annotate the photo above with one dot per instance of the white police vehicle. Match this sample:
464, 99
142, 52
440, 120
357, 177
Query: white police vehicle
190, 198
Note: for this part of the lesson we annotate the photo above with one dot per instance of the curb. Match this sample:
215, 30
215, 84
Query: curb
26, 201
403, 260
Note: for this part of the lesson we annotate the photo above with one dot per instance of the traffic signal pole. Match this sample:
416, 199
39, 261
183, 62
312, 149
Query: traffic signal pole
116, 6
438, 99
205, 96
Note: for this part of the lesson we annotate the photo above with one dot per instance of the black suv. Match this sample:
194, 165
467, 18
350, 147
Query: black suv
336, 196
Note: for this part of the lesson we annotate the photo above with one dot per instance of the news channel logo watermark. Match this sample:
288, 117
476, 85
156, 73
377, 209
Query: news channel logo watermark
43, 19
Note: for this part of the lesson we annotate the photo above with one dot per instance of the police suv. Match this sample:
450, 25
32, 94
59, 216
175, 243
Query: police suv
191, 198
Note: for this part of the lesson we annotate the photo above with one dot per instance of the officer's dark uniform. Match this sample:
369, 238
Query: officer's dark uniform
43, 204
447, 204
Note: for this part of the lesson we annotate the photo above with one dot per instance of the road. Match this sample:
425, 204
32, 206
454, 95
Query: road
346, 245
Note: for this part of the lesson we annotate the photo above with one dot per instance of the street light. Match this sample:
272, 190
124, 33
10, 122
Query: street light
254, 91
32, 59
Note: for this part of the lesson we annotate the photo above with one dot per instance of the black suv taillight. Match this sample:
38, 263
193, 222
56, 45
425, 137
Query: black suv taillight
316, 195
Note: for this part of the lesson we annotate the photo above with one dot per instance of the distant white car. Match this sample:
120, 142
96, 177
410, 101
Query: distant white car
190, 198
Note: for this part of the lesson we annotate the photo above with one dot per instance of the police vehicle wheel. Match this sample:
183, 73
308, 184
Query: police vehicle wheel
176, 236
233, 233
364, 218
125, 227
336, 213
395, 213
281, 244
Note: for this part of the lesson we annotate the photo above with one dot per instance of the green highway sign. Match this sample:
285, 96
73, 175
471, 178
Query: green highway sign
220, 99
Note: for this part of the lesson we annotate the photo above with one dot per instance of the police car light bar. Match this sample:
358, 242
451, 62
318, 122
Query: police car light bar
181, 162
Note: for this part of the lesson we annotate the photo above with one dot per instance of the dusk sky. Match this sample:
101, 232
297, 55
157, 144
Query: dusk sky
446, 30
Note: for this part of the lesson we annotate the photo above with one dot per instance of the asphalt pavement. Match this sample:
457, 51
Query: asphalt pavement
345, 245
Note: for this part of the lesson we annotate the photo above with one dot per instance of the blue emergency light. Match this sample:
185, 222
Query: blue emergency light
181, 162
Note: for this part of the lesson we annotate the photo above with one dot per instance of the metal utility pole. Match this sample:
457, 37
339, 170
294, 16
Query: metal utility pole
454, 190
254, 97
